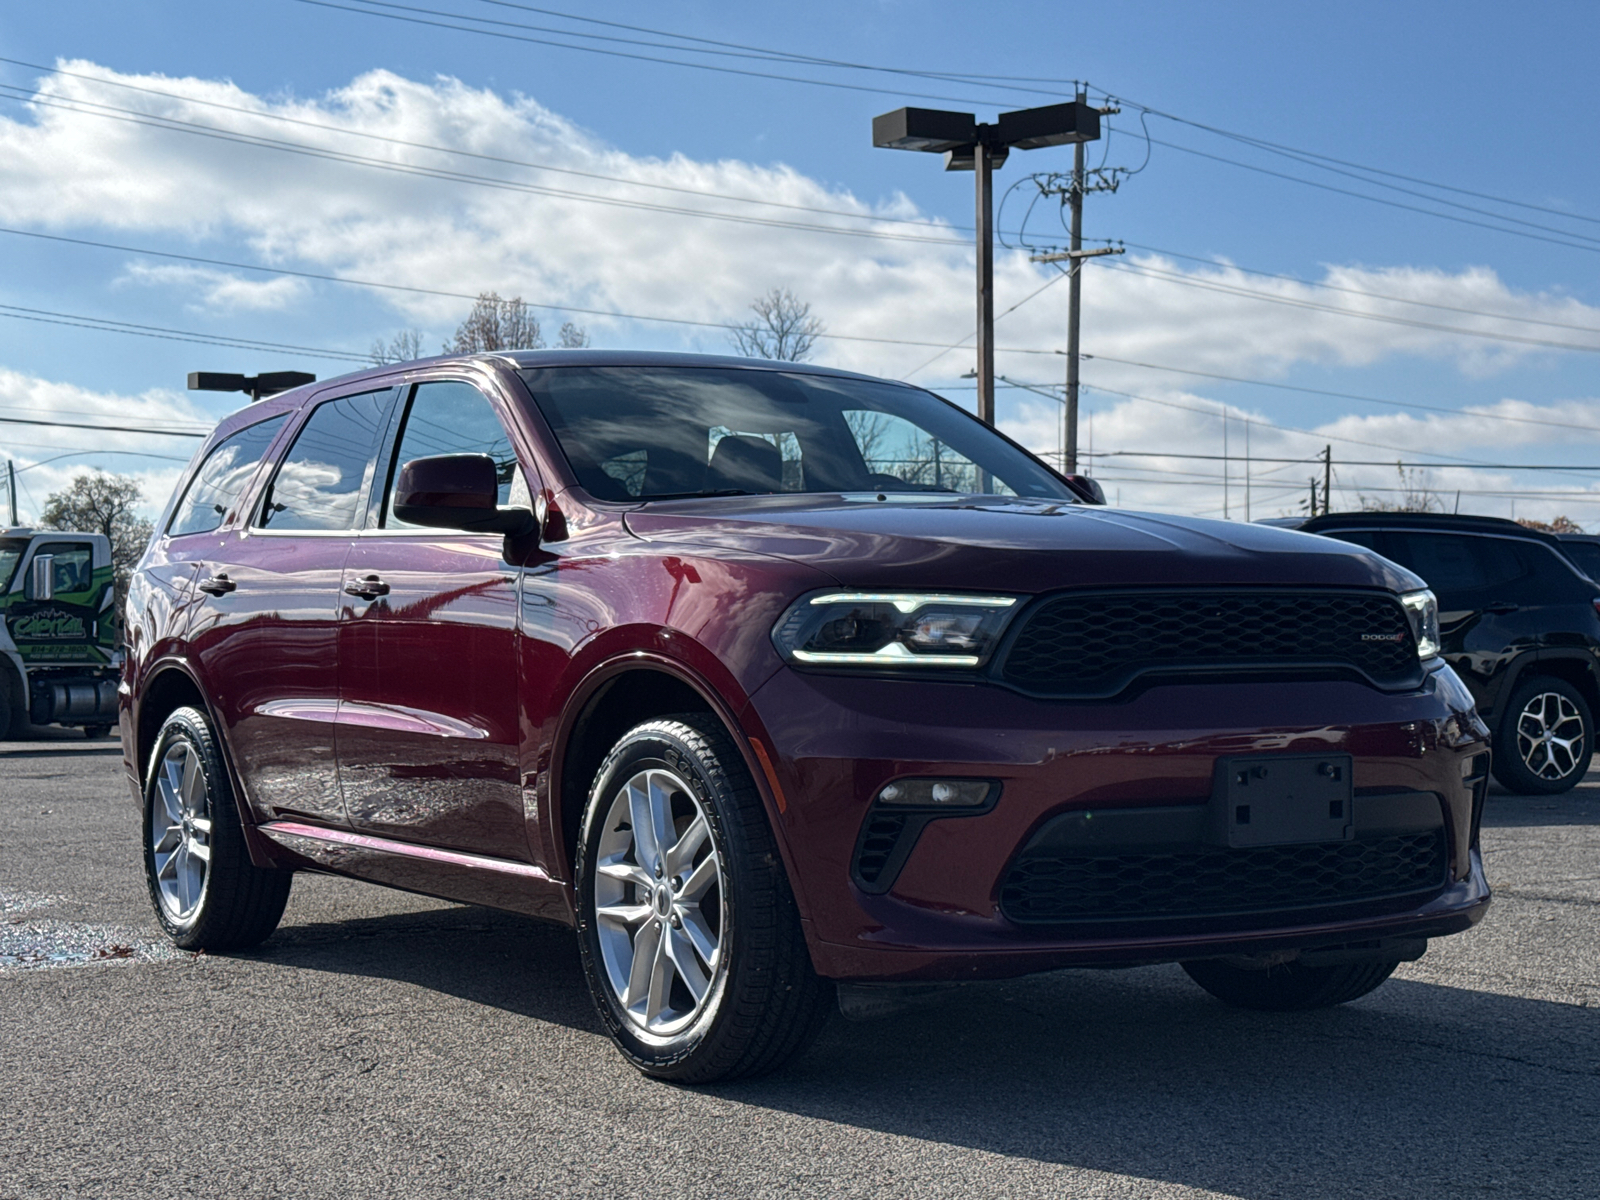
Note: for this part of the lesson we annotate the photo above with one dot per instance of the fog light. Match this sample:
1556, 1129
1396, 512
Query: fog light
937, 793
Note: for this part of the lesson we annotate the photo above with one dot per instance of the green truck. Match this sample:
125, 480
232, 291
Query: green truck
60, 655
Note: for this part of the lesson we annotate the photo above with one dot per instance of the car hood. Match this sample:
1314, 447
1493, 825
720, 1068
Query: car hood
1008, 544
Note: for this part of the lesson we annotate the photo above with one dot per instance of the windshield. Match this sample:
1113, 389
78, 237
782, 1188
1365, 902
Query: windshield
11, 552
650, 433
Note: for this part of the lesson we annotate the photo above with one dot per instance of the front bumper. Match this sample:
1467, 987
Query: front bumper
837, 740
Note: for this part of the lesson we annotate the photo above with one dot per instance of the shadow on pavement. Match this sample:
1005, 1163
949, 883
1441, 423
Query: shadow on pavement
1416, 1088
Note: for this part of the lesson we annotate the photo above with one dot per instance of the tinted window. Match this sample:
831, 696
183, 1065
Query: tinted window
1585, 554
1453, 564
652, 432
216, 486
1360, 537
455, 418
327, 470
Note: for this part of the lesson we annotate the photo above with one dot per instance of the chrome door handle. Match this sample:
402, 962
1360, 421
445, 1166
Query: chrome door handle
218, 585
368, 587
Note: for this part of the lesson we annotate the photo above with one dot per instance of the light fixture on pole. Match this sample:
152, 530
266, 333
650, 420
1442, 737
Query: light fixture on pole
968, 145
268, 383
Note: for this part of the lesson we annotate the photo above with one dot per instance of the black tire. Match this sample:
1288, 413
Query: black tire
1537, 705
762, 1003
234, 904
1290, 986
13, 716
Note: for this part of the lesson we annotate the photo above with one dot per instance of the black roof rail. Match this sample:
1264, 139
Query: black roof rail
1410, 520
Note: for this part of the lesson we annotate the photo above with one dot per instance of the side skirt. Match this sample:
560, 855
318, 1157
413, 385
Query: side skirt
429, 870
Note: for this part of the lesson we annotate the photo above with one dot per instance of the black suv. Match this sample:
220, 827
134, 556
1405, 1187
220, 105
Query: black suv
1519, 623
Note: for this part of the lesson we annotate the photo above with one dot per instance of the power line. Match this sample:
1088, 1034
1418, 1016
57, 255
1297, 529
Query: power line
1289, 387
1585, 243
414, 145
106, 325
192, 128
1300, 155
1350, 291
1355, 462
103, 428
422, 291
1268, 298
722, 70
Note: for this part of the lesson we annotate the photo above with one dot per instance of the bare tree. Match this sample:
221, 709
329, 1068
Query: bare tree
784, 329
496, 324
1413, 495
402, 347
103, 503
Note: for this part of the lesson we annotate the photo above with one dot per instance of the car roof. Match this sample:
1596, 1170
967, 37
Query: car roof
1442, 522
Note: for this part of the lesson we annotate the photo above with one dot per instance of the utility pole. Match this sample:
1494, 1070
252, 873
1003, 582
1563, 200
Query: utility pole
1313, 509
983, 170
1327, 480
11, 489
1074, 258
1069, 444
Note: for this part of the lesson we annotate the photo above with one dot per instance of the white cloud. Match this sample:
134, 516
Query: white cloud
215, 290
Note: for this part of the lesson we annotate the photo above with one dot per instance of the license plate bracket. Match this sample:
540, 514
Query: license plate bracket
1282, 799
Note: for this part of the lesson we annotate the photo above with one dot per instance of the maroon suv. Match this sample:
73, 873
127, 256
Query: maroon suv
778, 683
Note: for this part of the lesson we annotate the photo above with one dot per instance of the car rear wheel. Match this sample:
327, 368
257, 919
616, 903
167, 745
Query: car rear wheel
207, 894
690, 938
1290, 986
1545, 739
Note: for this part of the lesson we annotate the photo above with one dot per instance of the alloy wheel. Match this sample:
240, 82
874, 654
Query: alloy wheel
1550, 735
659, 890
180, 831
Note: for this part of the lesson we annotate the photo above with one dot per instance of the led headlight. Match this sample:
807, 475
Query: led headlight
1423, 610
892, 629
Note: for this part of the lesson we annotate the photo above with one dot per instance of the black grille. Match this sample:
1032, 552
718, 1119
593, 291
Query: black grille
1095, 643
1054, 886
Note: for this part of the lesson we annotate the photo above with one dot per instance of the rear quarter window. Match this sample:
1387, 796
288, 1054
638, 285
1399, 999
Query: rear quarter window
220, 482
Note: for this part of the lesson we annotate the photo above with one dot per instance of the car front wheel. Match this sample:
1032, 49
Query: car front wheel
690, 938
1545, 739
207, 894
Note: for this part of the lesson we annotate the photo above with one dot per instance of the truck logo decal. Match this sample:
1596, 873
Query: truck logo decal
1383, 637
50, 626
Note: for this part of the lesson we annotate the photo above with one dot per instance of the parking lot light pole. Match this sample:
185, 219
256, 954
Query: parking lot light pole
970, 146
268, 383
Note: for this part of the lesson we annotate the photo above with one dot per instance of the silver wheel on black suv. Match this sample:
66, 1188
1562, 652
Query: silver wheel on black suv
1545, 739
690, 938
206, 892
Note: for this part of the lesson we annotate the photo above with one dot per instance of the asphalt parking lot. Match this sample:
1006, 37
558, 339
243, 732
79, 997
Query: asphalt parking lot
388, 1045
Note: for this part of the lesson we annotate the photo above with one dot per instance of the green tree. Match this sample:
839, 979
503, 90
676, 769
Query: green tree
103, 503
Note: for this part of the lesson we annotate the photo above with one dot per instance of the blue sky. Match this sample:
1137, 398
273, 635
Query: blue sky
1458, 94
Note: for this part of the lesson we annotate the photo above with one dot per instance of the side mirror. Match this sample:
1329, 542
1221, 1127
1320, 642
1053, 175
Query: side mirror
42, 583
456, 491
1088, 488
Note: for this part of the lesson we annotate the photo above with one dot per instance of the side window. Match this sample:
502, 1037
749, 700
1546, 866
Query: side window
72, 572
1359, 537
216, 486
1455, 565
326, 472
447, 417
